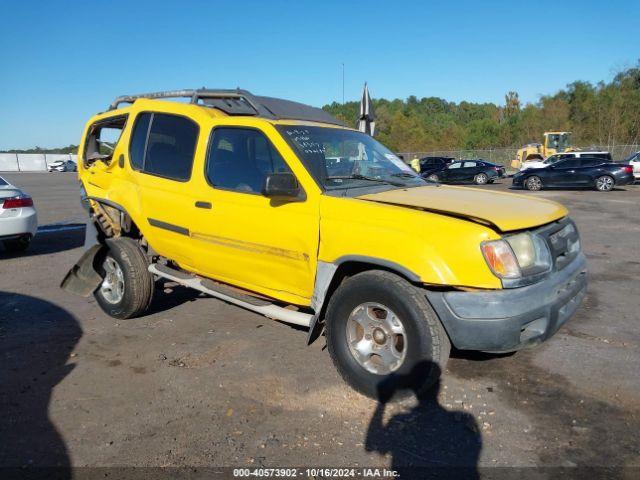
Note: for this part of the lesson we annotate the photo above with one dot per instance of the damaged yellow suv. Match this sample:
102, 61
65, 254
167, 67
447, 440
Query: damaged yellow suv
278, 208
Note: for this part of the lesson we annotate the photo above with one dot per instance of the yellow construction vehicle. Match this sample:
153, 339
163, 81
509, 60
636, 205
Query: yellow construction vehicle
554, 142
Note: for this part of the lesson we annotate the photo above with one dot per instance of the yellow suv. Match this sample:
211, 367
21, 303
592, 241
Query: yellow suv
276, 207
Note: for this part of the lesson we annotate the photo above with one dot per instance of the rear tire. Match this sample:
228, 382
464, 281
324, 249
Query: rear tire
481, 179
17, 245
127, 287
533, 183
385, 305
605, 183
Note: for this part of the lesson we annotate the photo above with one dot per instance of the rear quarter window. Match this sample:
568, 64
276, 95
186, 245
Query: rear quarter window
164, 145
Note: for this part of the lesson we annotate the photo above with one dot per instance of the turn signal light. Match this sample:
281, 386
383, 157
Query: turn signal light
501, 259
17, 202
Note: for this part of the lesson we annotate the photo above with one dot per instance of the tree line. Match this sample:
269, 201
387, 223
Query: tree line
606, 113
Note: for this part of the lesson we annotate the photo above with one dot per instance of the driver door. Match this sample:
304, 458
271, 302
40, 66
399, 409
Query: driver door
453, 172
244, 238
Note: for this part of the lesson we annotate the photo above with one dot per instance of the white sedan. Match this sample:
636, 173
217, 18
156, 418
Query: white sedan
634, 161
62, 166
18, 217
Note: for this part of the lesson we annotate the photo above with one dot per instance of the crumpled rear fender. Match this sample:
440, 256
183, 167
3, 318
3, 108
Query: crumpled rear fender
82, 278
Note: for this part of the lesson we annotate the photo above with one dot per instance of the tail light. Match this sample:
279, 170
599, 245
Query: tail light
20, 201
628, 169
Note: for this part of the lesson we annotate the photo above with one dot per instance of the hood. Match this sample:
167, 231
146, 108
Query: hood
505, 211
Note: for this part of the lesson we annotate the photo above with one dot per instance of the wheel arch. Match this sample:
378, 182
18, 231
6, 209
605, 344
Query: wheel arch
330, 275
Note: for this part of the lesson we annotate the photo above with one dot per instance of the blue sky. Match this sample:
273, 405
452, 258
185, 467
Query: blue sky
61, 62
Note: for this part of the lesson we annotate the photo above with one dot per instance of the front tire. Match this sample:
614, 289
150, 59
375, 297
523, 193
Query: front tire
433, 177
533, 183
126, 290
605, 183
383, 336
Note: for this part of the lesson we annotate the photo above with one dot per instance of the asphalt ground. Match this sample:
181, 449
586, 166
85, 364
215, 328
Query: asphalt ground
199, 382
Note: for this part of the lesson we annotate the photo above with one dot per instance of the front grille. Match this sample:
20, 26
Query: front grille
563, 240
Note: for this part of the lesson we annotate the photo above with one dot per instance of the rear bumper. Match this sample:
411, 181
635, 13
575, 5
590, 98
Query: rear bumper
26, 222
625, 179
510, 319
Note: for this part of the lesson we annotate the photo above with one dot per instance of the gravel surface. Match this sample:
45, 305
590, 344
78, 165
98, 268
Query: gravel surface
199, 382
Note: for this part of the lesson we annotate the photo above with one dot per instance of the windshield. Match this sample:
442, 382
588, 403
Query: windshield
3, 182
340, 159
559, 141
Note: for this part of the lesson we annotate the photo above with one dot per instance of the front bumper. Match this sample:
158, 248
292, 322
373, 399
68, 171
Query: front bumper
510, 319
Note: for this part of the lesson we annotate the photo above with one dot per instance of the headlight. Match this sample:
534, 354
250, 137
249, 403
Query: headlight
517, 256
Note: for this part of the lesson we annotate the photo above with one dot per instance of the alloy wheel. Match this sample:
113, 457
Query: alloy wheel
112, 287
376, 338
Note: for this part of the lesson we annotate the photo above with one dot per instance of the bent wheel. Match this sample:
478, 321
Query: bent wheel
126, 290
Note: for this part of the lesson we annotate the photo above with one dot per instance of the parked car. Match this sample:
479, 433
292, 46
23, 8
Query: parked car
432, 164
479, 172
233, 198
604, 156
18, 218
634, 161
62, 166
576, 172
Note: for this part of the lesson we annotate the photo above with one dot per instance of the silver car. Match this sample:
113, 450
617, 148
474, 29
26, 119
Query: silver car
62, 166
18, 217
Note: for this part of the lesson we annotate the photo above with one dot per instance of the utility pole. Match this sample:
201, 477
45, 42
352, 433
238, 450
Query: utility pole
343, 83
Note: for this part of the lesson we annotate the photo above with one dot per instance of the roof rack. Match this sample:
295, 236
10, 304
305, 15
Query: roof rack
239, 102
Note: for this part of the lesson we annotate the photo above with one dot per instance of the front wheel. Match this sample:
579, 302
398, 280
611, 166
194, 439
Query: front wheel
383, 336
605, 183
433, 177
126, 290
481, 179
533, 183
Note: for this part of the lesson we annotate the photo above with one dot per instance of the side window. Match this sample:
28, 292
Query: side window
470, 164
570, 163
139, 140
171, 146
240, 159
164, 145
455, 165
590, 162
102, 138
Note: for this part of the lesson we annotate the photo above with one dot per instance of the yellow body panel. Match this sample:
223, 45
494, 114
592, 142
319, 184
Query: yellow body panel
502, 209
273, 248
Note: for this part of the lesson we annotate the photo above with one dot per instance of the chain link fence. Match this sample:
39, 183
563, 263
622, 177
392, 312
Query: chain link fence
504, 156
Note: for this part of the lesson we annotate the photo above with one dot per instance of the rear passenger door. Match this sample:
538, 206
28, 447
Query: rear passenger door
161, 155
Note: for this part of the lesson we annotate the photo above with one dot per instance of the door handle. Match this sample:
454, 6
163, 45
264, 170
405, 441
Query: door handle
200, 204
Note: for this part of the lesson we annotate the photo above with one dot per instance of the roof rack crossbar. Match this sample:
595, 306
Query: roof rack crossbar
239, 102
194, 94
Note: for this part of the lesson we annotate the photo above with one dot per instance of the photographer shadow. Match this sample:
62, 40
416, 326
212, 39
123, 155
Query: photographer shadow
427, 441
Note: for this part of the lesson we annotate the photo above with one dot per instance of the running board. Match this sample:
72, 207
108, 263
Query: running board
224, 293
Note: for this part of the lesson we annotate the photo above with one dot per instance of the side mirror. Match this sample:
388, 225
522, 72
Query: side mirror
281, 185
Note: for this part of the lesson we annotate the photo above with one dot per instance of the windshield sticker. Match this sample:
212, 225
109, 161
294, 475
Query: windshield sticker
397, 162
302, 138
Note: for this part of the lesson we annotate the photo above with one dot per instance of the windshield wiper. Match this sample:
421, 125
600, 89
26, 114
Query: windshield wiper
357, 176
405, 175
